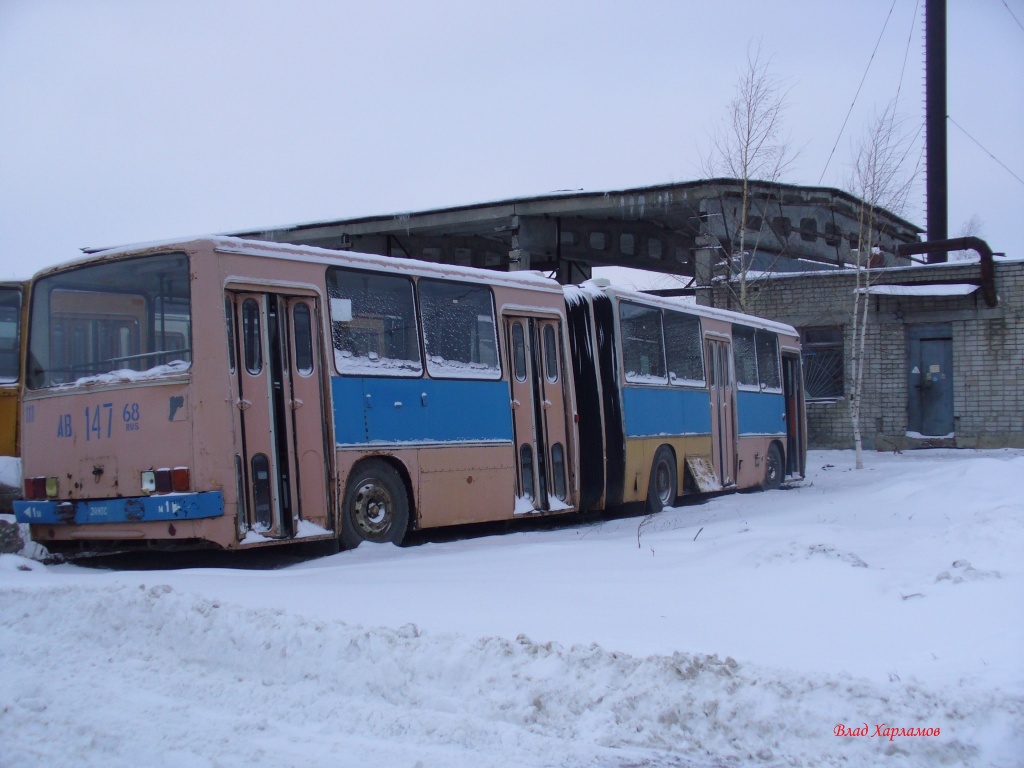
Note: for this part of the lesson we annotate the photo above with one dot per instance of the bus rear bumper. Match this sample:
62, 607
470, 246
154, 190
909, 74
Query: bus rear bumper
142, 509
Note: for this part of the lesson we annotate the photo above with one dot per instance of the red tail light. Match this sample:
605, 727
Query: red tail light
180, 479
35, 488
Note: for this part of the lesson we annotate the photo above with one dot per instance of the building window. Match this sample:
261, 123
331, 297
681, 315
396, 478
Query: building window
823, 362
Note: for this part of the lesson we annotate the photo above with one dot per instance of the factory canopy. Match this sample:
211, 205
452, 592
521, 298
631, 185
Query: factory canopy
690, 229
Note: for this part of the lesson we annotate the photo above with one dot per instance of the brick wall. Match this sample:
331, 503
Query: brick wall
988, 351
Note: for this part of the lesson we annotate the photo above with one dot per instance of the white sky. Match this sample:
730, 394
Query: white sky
123, 121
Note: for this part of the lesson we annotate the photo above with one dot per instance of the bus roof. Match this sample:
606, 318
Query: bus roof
602, 287
313, 254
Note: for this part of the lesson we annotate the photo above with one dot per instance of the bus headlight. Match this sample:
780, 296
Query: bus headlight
148, 481
52, 488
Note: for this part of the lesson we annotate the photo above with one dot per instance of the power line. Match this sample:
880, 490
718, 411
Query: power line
906, 53
865, 77
1000, 162
1012, 14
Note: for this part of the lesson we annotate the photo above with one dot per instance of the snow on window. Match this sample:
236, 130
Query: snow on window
745, 357
756, 353
125, 317
683, 348
459, 331
768, 373
642, 347
376, 334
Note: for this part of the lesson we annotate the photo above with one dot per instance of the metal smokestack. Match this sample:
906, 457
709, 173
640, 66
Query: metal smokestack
935, 123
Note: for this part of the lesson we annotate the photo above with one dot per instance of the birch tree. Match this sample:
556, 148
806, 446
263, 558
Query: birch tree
879, 179
749, 145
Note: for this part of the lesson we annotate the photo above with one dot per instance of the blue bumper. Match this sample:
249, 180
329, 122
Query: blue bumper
142, 509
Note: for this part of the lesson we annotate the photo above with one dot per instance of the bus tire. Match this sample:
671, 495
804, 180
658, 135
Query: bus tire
376, 506
773, 468
661, 488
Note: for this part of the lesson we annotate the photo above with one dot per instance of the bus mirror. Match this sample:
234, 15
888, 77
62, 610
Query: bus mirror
341, 310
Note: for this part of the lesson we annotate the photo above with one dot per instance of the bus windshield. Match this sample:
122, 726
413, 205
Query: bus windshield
120, 320
10, 319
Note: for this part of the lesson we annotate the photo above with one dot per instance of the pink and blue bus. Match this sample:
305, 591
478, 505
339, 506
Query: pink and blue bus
236, 394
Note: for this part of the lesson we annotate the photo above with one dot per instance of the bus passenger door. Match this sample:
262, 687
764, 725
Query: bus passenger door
792, 387
723, 412
280, 412
536, 369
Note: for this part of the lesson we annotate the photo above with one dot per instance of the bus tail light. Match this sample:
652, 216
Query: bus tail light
180, 479
39, 488
35, 488
163, 481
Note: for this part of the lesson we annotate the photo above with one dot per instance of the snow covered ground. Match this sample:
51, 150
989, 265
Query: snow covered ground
741, 631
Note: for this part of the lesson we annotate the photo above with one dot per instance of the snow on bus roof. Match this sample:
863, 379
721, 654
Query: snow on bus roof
316, 255
670, 302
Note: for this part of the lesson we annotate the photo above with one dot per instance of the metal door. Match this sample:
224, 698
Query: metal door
536, 369
276, 370
723, 410
930, 380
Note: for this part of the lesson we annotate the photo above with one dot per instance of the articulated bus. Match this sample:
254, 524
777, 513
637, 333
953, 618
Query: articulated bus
675, 398
231, 393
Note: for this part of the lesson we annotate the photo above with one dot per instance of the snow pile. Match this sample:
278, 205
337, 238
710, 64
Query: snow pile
864, 618
201, 682
10, 471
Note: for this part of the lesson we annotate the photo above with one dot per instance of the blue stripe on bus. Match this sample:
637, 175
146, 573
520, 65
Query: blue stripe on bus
141, 509
397, 410
761, 413
666, 411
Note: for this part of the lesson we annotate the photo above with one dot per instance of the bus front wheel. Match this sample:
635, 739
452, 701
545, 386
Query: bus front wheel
376, 506
661, 489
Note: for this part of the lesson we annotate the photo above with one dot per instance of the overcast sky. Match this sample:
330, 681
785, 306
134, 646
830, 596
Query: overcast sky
125, 121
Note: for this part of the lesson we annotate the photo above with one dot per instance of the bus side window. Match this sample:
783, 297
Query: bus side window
303, 328
642, 343
769, 375
230, 319
745, 356
459, 331
373, 323
683, 349
252, 339
519, 351
550, 354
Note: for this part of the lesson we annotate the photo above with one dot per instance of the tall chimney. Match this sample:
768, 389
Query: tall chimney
935, 123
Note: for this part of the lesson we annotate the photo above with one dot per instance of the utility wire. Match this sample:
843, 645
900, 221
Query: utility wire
1000, 162
906, 53
1012, 14
865, 77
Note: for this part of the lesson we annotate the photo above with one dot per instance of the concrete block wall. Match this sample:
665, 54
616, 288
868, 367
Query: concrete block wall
988, 350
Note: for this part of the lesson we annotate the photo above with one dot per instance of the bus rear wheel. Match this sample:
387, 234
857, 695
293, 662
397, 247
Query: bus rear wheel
376, 506
773, 468
661, 489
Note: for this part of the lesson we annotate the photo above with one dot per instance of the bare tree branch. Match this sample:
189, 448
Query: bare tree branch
750, 146
879, 179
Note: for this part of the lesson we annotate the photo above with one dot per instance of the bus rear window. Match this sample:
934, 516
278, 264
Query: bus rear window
118, 320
